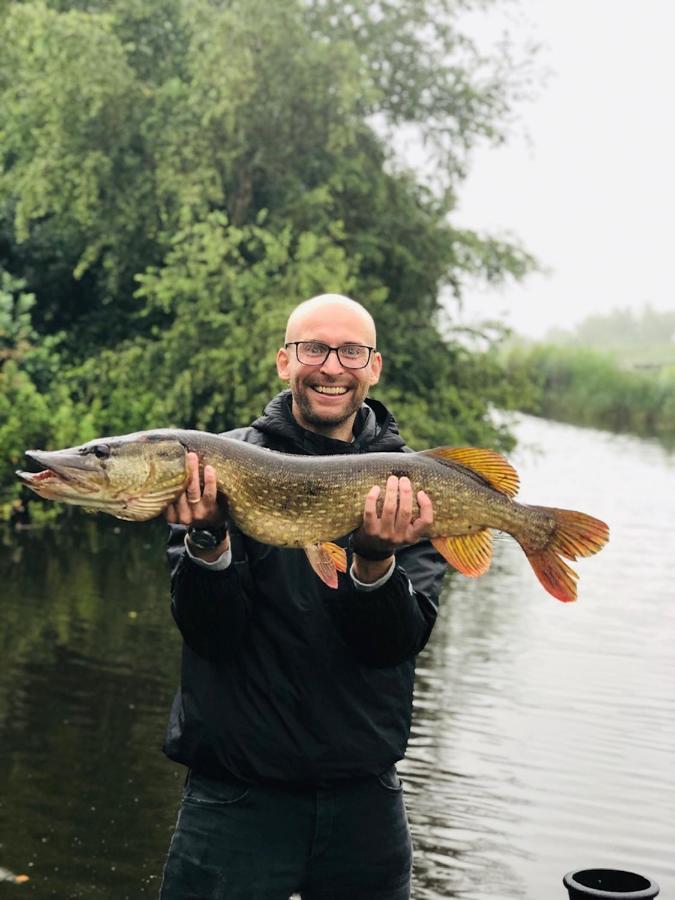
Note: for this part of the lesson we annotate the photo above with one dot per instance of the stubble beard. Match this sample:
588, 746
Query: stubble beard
327, 422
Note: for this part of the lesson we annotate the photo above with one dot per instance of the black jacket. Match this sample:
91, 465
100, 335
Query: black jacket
283, 678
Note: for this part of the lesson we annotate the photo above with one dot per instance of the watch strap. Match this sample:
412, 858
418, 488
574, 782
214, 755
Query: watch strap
368, 550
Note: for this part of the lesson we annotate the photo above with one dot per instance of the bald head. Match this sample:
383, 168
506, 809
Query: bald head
325, 305
327, 395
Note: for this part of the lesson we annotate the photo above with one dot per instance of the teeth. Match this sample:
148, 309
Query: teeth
324, 389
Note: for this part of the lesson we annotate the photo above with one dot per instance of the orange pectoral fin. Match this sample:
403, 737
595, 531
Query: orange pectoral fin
470, 554
327, 560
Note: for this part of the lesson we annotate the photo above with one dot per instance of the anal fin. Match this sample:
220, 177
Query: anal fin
327, 559
470, 554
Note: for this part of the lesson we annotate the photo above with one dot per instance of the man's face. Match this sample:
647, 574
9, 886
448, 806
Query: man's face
326, 398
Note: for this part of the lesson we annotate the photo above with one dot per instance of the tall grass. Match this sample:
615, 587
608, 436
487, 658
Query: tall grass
587, 387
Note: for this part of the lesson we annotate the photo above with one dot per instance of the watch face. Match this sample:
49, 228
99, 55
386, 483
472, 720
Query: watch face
203, 538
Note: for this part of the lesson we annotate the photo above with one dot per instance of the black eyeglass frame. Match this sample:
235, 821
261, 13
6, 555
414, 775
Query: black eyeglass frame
330, 350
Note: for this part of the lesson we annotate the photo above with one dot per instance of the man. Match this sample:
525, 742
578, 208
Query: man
295, 699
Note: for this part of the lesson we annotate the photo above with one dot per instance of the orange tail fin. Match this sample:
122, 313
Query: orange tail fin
576, 534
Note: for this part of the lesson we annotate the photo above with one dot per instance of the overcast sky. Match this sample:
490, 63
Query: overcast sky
592, 192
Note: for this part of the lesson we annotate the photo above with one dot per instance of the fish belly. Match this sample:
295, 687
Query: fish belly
297, 524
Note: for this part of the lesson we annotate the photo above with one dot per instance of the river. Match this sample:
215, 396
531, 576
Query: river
543, 737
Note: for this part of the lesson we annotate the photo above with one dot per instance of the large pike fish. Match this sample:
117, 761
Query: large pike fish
311, 501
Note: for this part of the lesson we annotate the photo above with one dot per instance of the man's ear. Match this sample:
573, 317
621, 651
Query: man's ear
283, 367
375, 368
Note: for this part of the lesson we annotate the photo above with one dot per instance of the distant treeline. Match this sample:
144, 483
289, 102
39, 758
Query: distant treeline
175, 175
644, 339
588, 387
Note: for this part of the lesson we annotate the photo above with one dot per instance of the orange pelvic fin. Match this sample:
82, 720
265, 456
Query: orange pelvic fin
490, 465
576, 534
327, 559
471, 554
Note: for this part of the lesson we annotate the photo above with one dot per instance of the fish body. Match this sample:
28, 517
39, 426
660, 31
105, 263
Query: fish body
310, 502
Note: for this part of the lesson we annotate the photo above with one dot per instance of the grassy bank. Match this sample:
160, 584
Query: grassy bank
588, 387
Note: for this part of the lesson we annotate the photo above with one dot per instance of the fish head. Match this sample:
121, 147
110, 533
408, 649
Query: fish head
130, 476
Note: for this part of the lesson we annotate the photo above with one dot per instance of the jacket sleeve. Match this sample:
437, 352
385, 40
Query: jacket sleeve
386, 626
210, 608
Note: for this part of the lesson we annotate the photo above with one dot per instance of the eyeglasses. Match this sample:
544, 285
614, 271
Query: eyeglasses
314, 353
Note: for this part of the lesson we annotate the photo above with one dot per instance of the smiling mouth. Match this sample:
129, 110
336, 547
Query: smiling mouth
330, 390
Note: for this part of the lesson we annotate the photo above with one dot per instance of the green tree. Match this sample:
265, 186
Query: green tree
175, 176
32, 412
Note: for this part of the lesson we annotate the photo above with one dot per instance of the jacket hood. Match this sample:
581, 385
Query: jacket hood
375, 429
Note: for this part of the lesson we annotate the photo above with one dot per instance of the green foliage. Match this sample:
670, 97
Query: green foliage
589, 388
418, 67
31, 414
73, 182
175, 175
226, 293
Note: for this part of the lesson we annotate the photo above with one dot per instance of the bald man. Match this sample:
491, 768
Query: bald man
296, 700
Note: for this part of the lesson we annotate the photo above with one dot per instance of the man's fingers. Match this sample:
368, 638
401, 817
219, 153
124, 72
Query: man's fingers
426, 508
370, 506
389, 510
193, 489
170, 514
390, 504
421, 527
183, 510
210, 489
405, 502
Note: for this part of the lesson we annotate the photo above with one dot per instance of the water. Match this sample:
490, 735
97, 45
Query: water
544, 732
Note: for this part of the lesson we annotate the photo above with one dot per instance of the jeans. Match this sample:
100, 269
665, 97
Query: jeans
236, 841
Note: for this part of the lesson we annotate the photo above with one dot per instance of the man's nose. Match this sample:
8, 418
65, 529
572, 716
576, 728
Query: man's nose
332, 365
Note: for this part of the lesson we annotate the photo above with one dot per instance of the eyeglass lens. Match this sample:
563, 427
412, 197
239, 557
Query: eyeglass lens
351, 356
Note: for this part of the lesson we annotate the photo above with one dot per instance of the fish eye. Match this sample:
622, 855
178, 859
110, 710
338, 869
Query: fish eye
101, 451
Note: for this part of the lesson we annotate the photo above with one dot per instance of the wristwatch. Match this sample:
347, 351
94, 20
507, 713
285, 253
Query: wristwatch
206, 538
369, 552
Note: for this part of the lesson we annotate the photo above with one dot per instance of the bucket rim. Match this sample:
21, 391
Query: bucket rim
645, 893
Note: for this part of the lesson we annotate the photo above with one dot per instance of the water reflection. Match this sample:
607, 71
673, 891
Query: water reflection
543, 734
89, 667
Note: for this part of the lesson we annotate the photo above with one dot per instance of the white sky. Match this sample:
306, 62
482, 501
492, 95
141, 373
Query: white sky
591, 193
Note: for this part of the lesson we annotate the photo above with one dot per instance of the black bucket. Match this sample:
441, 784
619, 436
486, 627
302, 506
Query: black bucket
610, 884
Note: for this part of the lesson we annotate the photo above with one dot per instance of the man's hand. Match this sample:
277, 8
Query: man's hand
394, 527
205, 509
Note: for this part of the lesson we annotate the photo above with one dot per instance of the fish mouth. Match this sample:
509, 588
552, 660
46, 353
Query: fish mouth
34, 479
60, 470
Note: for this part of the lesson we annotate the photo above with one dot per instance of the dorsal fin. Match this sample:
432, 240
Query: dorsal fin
489, 464
471, 554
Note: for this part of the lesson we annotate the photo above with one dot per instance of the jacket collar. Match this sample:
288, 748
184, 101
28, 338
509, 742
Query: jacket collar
375, 429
